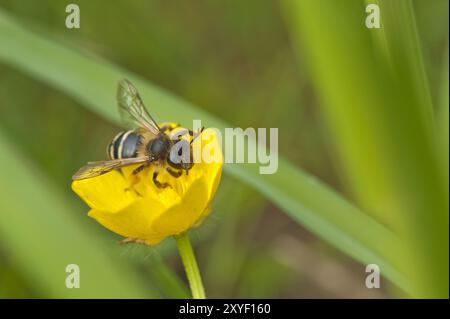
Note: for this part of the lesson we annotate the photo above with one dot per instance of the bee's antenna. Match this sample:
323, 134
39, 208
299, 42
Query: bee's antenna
197, 134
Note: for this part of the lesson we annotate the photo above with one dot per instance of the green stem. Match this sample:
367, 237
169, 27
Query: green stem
190, 265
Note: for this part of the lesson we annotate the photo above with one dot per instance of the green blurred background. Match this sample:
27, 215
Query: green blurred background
365, 111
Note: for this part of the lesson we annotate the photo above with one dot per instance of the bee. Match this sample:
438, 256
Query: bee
147, 145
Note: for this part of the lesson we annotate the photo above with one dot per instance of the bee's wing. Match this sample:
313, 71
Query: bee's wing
132, 108
93, 169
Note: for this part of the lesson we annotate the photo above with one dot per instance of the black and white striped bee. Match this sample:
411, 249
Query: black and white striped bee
149, 144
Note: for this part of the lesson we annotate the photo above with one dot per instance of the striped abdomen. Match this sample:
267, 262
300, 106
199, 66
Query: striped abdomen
124, 145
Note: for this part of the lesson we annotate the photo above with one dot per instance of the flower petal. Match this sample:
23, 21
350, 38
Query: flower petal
108, 192
135, 221
131, 205
212, 153
184, 215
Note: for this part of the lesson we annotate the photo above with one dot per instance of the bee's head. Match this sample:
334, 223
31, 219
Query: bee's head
181, 156
159, 147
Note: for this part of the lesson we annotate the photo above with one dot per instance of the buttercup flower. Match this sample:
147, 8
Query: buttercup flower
132, 206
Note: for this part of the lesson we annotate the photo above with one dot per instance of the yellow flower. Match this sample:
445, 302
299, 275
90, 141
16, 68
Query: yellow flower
146, 213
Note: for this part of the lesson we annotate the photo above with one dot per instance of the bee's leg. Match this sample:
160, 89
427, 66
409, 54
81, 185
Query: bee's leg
158, 183
120, 171
174, 173
135, 178
139, 169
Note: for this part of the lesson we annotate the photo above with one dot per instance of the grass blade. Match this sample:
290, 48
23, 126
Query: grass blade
93, 82
381, 129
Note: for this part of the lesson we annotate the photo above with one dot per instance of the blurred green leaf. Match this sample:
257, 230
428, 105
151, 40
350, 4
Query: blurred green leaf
398, 41
93, 82
231, 247
443, 115
151, 260
36, 225
379, 115
170, 284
